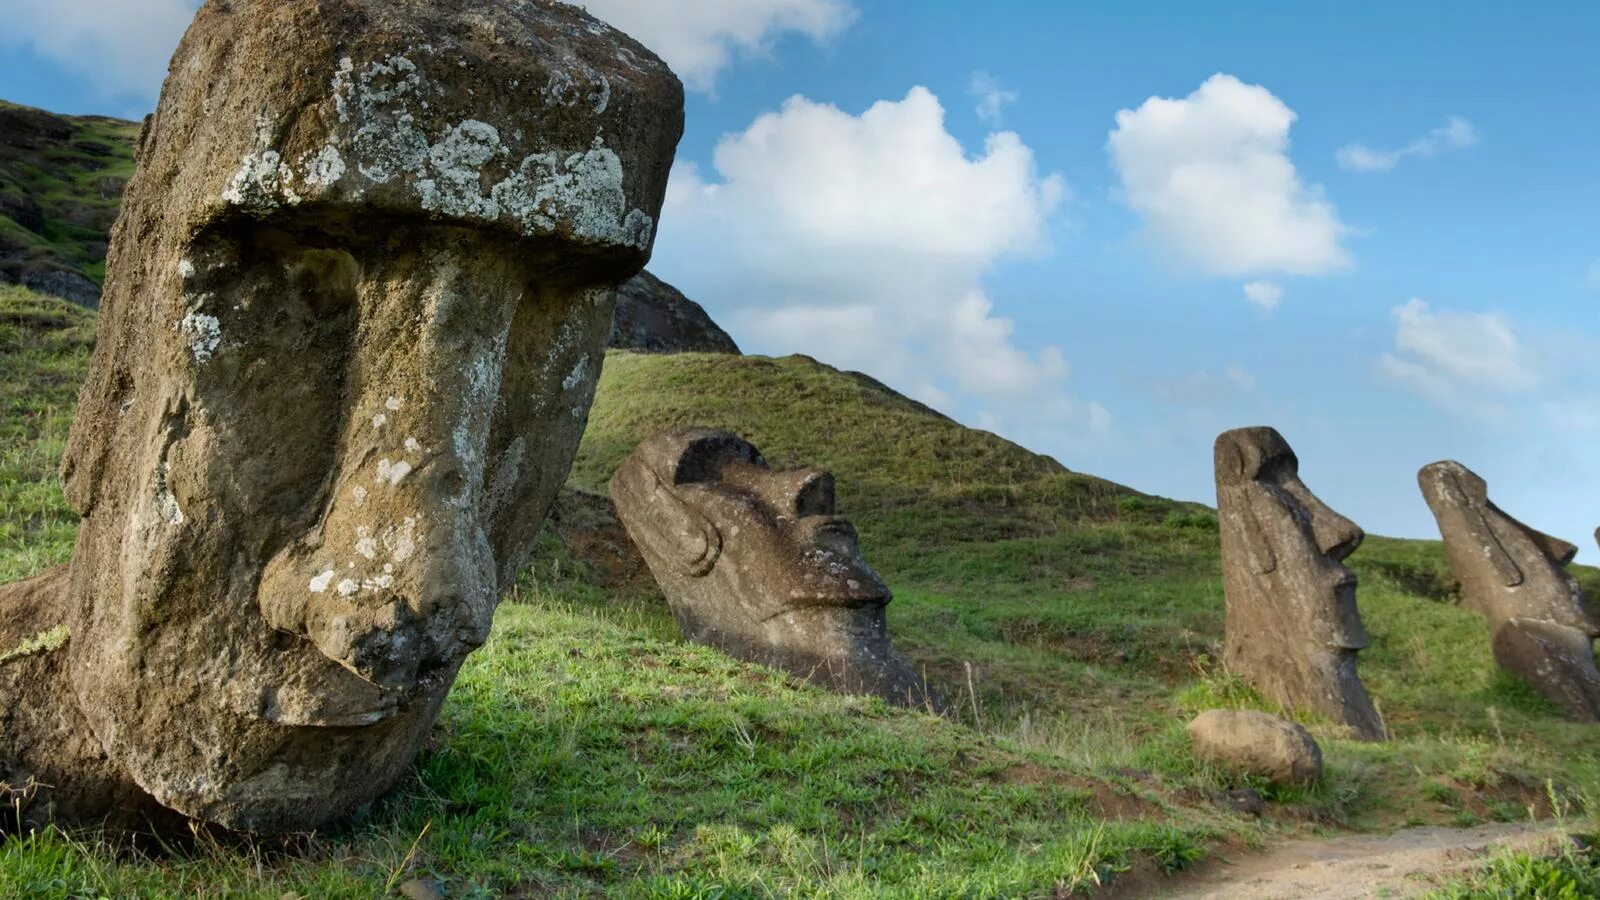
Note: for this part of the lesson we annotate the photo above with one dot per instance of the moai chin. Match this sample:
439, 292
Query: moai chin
1293, 629
355, 312
1516, 577
756, 563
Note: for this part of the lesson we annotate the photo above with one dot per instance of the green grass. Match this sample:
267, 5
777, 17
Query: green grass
1074, 623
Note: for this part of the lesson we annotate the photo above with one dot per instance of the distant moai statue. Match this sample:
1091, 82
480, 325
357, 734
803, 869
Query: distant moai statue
1541, 627
757, 564
1293, 629
356, 306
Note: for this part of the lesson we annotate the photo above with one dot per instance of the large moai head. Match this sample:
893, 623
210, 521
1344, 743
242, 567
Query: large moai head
1293, 629
757, 564
355, 312
1541, 626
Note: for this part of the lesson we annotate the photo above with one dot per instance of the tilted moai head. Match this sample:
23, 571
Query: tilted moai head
1542, 628
1293, 629
756, 563
356, 309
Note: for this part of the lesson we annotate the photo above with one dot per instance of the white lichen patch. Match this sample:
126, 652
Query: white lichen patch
583, 191
393, 473
185, 269
378, 583
365, 544
577, 375
323, 168
359, 494
166, 504
204, 334
401, 540
412, 446
320, 583
393, 404
379, 420
456, 171
349, 587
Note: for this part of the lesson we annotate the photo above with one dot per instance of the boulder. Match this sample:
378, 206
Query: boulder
1293, 629
356, 306
758, 563
1256, 744
655, 317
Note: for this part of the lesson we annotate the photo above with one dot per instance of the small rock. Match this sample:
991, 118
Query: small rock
1254, 743
422, 889
1244, 800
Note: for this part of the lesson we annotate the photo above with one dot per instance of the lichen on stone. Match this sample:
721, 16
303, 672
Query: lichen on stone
43, 642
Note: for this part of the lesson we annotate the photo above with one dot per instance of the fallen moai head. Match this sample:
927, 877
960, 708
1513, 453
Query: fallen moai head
356, 308
1541, 626
756, 563
1293, 629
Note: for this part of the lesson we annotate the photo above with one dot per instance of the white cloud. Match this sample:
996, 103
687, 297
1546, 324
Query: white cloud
121, 47
992, 98
1264, 294
1211, 176
699, 38
1455, 134
863, 240
1464, 361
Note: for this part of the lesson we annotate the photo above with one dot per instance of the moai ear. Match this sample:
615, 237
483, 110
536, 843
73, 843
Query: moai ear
1257, 547
1483, 531
679, 534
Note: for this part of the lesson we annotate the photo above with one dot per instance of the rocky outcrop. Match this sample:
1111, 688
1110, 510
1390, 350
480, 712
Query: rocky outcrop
1541, 625
355, 313
655, 317
1293, 629
758, 564
1257, 745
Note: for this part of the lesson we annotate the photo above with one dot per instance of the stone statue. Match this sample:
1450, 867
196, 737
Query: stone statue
756, 563
355, 312
1541, 627
1293, 629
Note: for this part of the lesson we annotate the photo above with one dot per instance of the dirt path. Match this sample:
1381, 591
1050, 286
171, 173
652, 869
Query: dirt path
1403, 864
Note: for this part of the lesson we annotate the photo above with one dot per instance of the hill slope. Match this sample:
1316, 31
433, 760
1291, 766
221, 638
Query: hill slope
586, 751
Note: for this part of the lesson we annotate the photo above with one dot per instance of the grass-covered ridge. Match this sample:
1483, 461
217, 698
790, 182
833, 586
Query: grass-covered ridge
61, 183
587, 752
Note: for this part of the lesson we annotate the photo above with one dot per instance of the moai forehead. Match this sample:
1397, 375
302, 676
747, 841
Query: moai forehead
530, 117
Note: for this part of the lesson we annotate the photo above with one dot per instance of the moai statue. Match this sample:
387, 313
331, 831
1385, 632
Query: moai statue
355, 312
1293, 629
755, 563
1541, 627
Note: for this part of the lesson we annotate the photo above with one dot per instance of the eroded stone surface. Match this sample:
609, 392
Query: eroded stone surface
757, 564
1293, 629
1542, 627
355, 311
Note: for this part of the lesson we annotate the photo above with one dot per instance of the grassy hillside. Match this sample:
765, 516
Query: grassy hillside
587, 752
61, 182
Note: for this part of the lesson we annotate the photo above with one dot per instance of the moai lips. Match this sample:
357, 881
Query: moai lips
757, 564
355, 312
1516, 577
1293, 628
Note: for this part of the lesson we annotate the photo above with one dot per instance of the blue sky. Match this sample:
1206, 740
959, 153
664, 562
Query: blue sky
1078, 283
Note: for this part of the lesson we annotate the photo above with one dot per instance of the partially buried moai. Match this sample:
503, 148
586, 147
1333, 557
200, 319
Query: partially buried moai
755, 563
1541, 627
1293, 629
355, 312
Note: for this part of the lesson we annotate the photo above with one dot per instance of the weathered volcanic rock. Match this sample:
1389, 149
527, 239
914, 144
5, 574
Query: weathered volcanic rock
1256, 744
356, 307
1542, 627
1293, 629
655, 317
757, 564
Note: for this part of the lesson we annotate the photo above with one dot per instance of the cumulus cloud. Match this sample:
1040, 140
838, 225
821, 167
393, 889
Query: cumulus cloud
120, 47
1455, 134
1265, 294
992, 98
1464, 361
1211, 175
699, 38
864, 239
